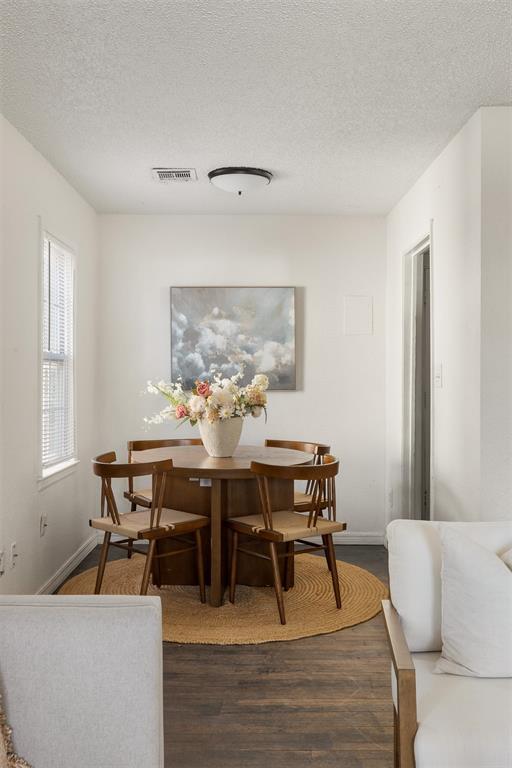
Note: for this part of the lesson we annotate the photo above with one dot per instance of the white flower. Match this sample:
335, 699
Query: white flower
151, 388
196, 405
256, 412
220, 397
238, 375
260, 381
226, 411
229, 384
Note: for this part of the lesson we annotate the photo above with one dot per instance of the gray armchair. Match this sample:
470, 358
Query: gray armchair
81, 679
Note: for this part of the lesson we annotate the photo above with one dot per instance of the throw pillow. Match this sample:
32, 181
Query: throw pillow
476, 609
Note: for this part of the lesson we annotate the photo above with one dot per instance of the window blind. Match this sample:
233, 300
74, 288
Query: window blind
58, 438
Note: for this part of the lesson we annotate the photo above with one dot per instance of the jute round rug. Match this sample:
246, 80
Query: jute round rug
310, 606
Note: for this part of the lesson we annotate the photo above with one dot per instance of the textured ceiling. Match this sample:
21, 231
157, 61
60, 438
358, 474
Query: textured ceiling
345, 101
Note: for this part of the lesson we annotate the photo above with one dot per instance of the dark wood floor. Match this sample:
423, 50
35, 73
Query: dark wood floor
323, 701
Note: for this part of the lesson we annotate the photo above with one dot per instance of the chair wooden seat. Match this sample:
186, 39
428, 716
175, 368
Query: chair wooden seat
141, 497
286, 526
302, 501
138, 524
301, 497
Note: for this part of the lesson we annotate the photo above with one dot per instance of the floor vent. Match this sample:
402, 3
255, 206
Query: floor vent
165, 175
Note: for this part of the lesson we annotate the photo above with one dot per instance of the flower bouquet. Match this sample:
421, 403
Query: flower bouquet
217, 407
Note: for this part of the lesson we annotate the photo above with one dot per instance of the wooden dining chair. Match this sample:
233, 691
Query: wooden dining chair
149, 525
288, 526
142, 496
303, 498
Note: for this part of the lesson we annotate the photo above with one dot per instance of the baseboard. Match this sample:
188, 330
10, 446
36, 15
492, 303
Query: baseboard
69, 566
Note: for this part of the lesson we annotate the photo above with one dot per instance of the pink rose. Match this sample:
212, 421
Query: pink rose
181, 411
203, 388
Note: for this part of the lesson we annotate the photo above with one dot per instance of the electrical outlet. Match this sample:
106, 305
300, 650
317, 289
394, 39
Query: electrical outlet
43, 523
14, 554
2, 562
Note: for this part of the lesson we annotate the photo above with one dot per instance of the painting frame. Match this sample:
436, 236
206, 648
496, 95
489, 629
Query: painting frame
279, 380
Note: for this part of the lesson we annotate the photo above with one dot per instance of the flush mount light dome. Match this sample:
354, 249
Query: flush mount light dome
239, 179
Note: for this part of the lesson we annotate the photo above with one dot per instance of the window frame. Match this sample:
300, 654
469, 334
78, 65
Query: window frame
49, 475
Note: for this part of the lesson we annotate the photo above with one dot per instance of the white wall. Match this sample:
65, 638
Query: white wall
496, 352
30, 189
454, 197
341, 399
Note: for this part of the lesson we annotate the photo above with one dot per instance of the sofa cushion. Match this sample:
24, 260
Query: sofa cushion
415, 572
463, 722
476, 609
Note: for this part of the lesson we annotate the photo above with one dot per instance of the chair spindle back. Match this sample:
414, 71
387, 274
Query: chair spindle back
319, 450
106, 467
147, 445
321, 476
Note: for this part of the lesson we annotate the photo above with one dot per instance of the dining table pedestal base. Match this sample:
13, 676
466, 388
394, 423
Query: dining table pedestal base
221, 499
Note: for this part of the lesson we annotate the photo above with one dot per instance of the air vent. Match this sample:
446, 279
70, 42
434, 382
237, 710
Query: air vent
166, 175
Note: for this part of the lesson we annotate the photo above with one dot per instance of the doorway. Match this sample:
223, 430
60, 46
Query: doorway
417, 383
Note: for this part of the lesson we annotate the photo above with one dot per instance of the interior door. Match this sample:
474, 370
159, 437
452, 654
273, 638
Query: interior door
417, 384
424, 384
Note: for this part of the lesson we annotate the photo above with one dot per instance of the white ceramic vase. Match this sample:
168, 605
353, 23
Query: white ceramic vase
221, 438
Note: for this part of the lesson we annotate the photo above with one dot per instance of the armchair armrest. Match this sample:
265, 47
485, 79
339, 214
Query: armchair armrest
405, 711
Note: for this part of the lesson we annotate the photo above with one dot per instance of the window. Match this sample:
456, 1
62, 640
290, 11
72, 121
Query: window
58, 433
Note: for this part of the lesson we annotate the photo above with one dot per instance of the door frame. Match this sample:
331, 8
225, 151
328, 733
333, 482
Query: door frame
409, 309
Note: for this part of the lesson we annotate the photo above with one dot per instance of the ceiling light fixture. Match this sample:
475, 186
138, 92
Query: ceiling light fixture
239, 179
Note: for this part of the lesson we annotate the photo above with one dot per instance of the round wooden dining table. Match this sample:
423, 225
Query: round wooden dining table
219, 488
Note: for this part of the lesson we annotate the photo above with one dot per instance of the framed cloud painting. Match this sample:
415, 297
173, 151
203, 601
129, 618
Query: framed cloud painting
223, 328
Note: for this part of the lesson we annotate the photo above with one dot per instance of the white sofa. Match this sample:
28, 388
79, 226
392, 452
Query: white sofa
441, 720
81, 679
